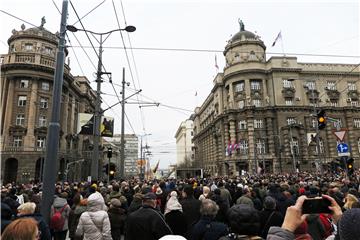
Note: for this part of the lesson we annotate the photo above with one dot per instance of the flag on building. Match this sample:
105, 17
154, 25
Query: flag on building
216, 64
156, 167
278, 37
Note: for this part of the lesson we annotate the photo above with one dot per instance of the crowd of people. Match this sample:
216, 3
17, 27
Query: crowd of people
251, 207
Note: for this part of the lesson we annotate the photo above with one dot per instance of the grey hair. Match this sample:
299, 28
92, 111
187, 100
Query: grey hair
209, 208
28, 207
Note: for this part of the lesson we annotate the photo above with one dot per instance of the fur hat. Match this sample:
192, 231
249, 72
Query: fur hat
349, 224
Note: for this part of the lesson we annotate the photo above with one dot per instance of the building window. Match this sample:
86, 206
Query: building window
358, 143
12, 48
258, 123
257, 102
20, 120
337, 123
28, 46
42, 121
48, 50
354, 103
290, 120
321, 145
311, 85
244, 146
241, 104
22, 101
239, 87
17, 141
351, 86
314, 123
43, 103
331, 85
255, 85
260, 146
289, 101
333, 103
40, 143
287, 83
294, 147
24, 83
45, 86
242, 124
357, 122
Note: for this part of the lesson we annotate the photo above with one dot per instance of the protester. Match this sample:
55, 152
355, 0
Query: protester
21, 229
174, 216
27, 210
207, 228
191, 208
117, 217
6, 216
94, 223
269, 216
79, 206
206, 193
59, 217
146, 223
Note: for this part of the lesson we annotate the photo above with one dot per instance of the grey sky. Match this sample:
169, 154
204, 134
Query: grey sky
173, 77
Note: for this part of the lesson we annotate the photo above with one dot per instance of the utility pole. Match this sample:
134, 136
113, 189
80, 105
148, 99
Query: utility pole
122, 146
51, 159
319, 167
97, 119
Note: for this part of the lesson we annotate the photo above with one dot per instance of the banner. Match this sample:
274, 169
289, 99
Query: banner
86, 125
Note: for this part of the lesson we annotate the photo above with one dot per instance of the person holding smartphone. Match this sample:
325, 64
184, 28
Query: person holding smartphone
294, 217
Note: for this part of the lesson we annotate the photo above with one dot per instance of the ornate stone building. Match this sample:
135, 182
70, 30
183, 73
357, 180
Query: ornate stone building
260, 111
27, 74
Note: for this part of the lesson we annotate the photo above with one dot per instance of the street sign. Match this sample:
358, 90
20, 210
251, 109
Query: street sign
340, 134
343, 154
342, 148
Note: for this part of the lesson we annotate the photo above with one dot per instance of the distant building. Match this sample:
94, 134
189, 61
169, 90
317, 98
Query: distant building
184, 145
131, 152
260, 112
27, 75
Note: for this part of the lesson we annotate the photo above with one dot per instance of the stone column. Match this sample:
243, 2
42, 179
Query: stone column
33, 106
8, 111
271, 147
251, 141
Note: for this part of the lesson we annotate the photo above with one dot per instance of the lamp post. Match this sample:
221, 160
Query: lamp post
141, 154
98, 113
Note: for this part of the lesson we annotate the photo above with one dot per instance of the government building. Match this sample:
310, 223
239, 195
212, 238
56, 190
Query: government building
260, 115
27, 75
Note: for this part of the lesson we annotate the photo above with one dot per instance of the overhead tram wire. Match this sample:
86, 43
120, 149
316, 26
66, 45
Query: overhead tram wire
127, 58
135, 66
89, 12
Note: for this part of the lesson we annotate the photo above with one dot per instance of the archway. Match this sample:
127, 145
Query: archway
10, 170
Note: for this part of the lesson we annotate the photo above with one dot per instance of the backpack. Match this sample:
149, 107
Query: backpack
57, 221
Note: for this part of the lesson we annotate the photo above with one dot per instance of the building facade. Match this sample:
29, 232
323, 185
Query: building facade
184, 145
259, 114
131, 153
27, 75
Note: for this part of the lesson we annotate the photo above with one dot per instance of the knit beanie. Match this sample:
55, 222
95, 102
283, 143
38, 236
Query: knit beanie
349, 224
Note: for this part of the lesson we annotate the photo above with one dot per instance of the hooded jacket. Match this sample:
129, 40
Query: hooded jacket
74, 219
58, 204
94, 224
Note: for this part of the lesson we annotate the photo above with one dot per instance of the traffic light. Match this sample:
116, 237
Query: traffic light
109, 152
350, 165
321, 119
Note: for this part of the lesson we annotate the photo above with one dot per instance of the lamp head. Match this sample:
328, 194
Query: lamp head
130, 28
71, 28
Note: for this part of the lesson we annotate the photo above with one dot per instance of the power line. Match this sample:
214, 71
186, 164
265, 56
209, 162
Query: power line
89, 12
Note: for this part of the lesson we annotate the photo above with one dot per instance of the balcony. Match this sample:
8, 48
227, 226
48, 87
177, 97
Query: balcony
31, 58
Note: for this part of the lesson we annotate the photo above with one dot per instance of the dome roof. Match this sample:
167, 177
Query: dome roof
242, 35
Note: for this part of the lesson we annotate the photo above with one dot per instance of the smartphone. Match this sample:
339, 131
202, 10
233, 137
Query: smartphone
316, 205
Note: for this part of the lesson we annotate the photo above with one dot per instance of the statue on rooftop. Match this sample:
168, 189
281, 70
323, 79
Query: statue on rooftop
43, 21
242, 26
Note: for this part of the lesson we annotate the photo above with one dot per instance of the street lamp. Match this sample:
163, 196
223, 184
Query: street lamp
141, 154
98, 112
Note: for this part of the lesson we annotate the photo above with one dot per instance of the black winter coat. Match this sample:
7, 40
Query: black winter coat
207, 229
176, 221
117, 218
269, 218
147, 223
43, 227
191, 210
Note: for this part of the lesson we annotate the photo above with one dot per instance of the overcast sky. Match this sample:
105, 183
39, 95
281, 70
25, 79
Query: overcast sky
172, 77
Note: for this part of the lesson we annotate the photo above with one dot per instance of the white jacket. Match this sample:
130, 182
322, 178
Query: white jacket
94, 224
